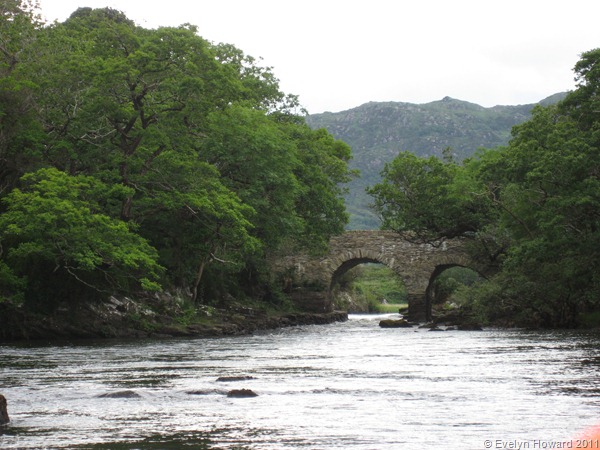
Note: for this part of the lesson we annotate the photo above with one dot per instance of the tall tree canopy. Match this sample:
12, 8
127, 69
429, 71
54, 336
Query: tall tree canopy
213, 166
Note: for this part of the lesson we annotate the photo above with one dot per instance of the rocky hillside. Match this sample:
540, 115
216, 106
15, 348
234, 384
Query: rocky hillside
378, 131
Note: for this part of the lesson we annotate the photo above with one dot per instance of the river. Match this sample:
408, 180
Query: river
350, 385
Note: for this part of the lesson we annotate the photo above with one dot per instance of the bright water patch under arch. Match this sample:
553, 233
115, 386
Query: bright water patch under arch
348, 385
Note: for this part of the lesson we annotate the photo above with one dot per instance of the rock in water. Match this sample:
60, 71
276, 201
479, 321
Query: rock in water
241, 393
3, 410
120, 394
391, 323
236, 378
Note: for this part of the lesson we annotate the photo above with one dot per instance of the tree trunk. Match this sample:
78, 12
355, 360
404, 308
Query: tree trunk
198, 279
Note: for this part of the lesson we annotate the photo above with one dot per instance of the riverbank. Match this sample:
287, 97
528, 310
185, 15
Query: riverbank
159, 317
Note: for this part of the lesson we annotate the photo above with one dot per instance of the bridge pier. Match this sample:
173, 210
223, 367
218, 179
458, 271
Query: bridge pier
311, 301
417, 308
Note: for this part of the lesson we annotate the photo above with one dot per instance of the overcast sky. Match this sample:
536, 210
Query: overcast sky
339, 54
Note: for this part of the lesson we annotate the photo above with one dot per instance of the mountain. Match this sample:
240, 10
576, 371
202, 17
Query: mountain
377, 131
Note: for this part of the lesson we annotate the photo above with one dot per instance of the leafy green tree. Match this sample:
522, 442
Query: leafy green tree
19, 130
257, 86
427, 197
19, 21
322, 172
550, 203
290, 174
55, 233
195, 221
131, 106
206, 161
583, 104
257, 161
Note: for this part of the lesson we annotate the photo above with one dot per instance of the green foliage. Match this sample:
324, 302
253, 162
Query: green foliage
450, 281
12, 286
322, 172
289, 174
583, 103
428, 197
20, 132
57, 219
150, 158
257, 162
533, 205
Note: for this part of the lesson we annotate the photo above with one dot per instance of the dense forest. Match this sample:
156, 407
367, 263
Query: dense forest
136, 160
532, 207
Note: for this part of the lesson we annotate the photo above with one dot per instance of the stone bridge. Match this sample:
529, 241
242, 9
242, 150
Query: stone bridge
309, 280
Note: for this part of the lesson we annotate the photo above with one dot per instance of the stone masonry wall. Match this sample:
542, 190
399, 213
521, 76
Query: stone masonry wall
414, 263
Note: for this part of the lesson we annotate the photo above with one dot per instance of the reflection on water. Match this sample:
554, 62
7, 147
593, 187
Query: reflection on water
350, 385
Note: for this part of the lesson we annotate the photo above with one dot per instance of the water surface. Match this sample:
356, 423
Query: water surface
348, 385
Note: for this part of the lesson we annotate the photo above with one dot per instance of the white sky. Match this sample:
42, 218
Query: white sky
339, 54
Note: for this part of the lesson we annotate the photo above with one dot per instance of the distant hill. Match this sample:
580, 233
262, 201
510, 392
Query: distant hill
377, 131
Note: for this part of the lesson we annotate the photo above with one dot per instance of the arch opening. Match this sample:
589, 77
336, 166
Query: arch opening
444, 282
366, 285
348, 265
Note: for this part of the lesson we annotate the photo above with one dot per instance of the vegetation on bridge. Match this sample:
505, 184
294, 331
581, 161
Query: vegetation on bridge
533, 207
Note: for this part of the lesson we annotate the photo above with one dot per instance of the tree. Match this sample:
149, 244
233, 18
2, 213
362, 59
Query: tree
19, 129
131, 107
289, 174
583, 104
550, 204
55, 233
195, 220
322, 172
257, 161
427, 197
212, 165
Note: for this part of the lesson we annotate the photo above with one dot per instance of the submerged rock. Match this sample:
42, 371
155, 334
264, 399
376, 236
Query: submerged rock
236, 378
3, 410
205, 392
241, 393
120, 394
394, 323
458, 319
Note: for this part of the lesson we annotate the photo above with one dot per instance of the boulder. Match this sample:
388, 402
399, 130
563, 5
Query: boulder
3, 410
120, 394
394, 323
241, 393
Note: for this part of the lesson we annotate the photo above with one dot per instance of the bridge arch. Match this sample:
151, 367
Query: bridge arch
309, 279
429, 293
